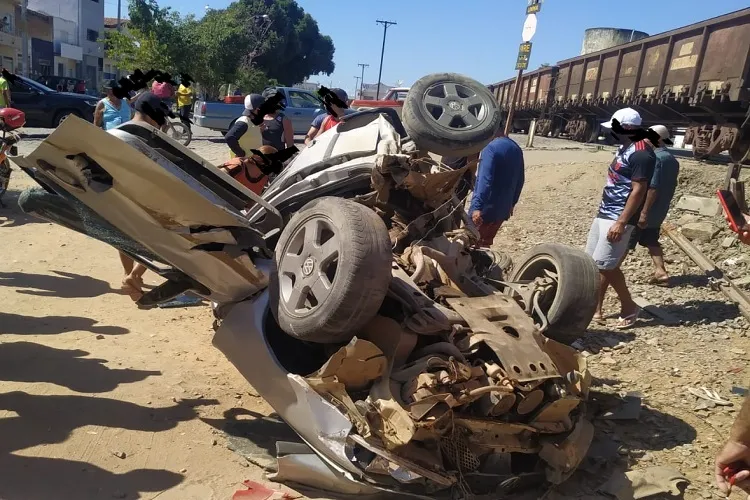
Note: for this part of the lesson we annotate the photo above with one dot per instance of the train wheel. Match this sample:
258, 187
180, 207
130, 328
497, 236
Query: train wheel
593, 128
740, 150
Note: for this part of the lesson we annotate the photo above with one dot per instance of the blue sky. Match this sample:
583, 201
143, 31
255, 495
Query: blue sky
476, 37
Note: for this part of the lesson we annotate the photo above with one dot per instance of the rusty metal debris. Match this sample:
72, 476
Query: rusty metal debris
465, 377
646, 483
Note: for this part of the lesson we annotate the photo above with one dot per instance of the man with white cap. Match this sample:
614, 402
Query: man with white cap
660, 193
622, 198
244, 135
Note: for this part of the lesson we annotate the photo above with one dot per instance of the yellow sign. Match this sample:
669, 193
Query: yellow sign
534, 7
524, 51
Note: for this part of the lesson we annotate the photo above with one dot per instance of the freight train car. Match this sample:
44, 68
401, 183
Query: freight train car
697, 77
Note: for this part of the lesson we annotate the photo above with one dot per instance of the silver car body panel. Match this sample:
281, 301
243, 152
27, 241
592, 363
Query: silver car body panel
344, 153
156, 203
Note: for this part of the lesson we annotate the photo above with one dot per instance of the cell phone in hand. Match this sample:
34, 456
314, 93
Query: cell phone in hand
732, 210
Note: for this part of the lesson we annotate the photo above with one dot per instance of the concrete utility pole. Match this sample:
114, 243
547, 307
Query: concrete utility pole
362, 79
356, 86
382, 52
25, 38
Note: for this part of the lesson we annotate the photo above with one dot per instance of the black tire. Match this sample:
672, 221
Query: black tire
61, 115
359, 276
572, 308
181, 133
472, 111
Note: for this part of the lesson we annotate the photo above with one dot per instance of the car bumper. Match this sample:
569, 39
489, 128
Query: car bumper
208, 122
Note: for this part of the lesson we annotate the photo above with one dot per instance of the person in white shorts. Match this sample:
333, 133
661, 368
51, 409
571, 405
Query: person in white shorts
628, 178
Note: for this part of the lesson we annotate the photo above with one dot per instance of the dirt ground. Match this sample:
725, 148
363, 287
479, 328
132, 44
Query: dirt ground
101, 400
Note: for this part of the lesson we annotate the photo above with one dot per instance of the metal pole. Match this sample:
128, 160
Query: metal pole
25, 39
119, 12
512, 106
532, 133
362, 80
382, 53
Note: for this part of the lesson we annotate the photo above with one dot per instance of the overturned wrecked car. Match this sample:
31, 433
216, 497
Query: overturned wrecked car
352, 295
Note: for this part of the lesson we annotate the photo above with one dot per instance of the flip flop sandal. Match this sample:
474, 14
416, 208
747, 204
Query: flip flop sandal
628, 321
659, 282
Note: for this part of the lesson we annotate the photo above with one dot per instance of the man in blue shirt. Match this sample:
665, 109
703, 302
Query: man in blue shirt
498, 186
658, 198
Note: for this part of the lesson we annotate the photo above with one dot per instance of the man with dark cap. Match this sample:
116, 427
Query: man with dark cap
244, 135
152, 110
324, 121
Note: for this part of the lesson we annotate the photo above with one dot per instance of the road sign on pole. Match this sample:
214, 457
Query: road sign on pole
534, 7
524, 52
529, 28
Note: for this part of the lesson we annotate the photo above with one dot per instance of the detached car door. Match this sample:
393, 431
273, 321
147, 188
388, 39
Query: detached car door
163, 197
301, 108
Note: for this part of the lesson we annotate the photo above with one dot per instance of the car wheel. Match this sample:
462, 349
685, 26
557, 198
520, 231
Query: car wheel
60, 116
333, 268
568, 305
450, 114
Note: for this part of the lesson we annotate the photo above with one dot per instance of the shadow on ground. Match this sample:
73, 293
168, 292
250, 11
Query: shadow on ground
252, 435
64, 285
30, 362
61, 479
705, 311
44, 419
51, 325
11, 215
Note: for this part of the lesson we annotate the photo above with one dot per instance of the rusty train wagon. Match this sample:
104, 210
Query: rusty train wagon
696, 77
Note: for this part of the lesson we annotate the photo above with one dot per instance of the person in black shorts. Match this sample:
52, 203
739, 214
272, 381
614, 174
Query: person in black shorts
661, 190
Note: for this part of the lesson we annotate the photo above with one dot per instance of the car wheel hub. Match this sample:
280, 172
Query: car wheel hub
454, 106
308, 266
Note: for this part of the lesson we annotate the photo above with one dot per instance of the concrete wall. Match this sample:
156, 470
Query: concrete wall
64, 9
596, 39
92, 18
39, 26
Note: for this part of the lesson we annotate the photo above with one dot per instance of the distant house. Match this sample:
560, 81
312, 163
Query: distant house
309, 86
369, 91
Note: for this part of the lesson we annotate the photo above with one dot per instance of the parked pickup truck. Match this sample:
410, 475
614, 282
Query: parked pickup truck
393, 99
301, 107
46, 108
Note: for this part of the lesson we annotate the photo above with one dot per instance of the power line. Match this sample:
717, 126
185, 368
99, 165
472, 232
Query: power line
362, 79
382, 52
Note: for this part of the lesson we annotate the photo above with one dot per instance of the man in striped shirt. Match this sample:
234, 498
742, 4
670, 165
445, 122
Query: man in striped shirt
628, 178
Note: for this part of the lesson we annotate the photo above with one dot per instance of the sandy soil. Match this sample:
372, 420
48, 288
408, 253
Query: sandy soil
101, 400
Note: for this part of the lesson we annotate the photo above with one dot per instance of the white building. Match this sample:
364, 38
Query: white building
77, 25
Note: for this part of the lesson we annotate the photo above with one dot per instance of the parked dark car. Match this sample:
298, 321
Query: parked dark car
46, 108
63, 84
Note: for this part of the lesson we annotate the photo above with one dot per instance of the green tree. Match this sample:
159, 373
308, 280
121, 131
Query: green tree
133, 49
295, 47
233, 45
